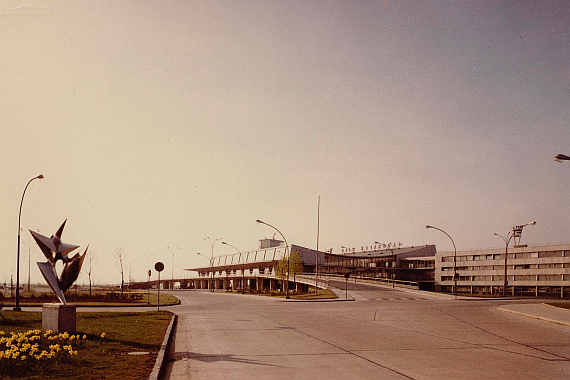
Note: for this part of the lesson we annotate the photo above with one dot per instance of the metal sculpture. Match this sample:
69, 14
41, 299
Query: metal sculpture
54, 249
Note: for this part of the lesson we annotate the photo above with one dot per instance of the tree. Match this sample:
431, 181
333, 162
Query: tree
121, 257
281, 271
295, 264
295, 267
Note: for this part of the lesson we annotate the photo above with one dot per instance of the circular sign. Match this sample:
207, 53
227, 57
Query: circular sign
159, 266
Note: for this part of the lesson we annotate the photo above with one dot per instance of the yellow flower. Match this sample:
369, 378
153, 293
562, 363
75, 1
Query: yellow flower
84, 337
103, 335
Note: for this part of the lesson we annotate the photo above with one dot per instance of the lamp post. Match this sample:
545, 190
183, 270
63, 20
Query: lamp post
172, 274
212, 260
515, 233
206, 257
17, 307
286, 253
242, 268
454, 259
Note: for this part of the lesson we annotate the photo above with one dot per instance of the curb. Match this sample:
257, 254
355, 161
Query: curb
162, 353
533, 316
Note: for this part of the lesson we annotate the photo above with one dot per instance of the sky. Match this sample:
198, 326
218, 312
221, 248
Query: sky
158, 124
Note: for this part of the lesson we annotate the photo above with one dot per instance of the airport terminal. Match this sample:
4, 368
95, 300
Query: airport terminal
530, 270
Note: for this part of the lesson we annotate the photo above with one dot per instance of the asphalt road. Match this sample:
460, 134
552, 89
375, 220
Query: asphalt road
385, 334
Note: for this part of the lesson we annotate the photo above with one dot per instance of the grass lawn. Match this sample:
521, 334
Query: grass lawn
322, 294
133, 298
564, 305
97, 357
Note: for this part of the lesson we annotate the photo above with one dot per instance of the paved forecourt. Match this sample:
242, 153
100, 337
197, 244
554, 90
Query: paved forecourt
385, 334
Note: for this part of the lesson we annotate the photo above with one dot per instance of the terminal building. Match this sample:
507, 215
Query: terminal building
535, 270
531, 270
255, 270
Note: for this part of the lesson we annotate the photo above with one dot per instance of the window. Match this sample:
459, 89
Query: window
551, 254
550, 277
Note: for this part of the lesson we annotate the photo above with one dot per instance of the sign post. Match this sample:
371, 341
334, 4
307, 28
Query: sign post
148, 287
346, 276
159, 268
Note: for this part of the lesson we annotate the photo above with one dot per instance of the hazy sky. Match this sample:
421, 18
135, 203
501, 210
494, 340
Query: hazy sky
158, 123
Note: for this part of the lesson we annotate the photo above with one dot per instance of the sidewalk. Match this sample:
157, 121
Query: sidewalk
540, 311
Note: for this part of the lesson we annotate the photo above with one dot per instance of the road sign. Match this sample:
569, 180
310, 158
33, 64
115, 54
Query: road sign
159, 266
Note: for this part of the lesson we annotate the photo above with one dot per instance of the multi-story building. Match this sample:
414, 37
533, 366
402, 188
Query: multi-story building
535, 270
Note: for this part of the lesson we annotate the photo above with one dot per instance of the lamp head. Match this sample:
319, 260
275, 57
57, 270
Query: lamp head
259, 221
428, 227
40, 176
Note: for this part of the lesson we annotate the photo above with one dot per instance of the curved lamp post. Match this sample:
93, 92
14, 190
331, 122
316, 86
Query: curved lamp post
286, 253
516, 232
17, 307
206, 257
454, 259
242, 267
212, 259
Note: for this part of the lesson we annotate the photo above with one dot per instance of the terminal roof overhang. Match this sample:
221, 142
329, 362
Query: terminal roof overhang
250, 259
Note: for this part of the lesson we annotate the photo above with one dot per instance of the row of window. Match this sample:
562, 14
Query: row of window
540, 277
235, 272
501, 256
515, 266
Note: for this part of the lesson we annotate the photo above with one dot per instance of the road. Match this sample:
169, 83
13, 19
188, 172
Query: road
385, 334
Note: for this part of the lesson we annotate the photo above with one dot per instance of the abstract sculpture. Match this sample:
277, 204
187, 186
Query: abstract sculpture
54, 249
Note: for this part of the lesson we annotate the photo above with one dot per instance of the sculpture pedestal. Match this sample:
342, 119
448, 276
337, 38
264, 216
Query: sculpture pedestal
58, 318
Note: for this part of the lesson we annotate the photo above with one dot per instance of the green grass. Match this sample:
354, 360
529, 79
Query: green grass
563, 305
115, 298
97, 358
322, 294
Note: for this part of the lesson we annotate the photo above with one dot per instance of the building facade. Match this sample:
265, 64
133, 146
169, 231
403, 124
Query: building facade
256, 269
535, 270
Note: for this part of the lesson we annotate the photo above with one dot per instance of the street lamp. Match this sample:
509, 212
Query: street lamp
206, 257
286, 253
515, 233
454, 259
17, 307
212, 260
561, 157
172, 274
242, 268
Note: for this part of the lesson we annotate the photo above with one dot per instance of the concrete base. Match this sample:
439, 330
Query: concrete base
58, 318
